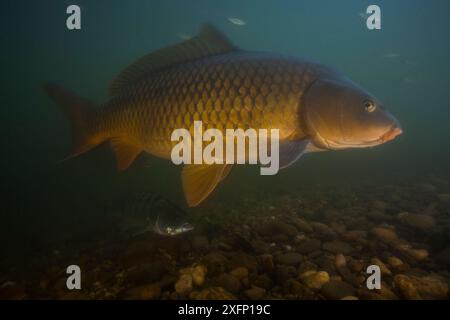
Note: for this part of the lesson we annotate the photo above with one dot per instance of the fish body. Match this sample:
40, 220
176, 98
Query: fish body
208, 79
150, 212
228, 91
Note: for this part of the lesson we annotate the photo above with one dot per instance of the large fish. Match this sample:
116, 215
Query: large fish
207, 78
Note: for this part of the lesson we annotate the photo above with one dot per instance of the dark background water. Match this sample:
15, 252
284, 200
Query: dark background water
405, 64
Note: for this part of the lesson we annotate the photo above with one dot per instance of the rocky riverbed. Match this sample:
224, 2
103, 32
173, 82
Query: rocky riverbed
296, 245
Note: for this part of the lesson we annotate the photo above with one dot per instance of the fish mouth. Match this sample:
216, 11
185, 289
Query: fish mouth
392, 133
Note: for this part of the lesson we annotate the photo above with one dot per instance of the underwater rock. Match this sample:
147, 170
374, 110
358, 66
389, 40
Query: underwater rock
344, 271
323, 231
415, 254
212, 293
228, 282
406, 287
199, 274
266, 261
241, 259
417, 221
356, 265
291, 258
144, 292
240, 273
306, 265
336, 289
262, 281
283, 273
386, 235
383, 268
340, 261
200, 243
354, 235
377, 215
255, 293
215, 263
396, 264
293, 287
427, 287
302, 225
276, 228
184, 284
149, 272
309, 246
338, 246
315, 279
12, 291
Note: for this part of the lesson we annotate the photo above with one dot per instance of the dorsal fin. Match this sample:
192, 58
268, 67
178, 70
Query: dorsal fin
209, 41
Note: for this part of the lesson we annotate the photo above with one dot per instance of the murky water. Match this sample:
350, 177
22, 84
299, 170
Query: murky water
309, 232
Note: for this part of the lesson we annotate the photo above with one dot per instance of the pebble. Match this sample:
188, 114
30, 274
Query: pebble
200, 243
144, 292
266, 261
228, 282
302, 225
275, 228
255, 293
199, 274
427, 287
396, 263
184, 284
338, 246
212, 293
356, 265
308, 246
335, 290
383, 268
417, 221
386, 235
215, 263
315, 279
262, 281
240, 273
291, 258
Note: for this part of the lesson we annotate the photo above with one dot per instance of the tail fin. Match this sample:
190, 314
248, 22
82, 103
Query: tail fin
81, 114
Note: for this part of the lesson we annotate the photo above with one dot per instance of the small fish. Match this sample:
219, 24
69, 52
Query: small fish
184, 36
151, 212
237, 21
313, 106
391, 55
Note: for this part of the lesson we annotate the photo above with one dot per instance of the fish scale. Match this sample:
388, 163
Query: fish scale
229, 91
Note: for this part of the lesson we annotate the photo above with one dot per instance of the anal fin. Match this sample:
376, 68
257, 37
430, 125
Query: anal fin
125, 152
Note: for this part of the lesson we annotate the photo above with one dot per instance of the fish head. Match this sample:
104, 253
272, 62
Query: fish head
338, 114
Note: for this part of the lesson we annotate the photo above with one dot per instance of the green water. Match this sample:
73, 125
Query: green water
405, 64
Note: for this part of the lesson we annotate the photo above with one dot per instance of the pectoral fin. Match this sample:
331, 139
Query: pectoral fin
291, 151
200, 180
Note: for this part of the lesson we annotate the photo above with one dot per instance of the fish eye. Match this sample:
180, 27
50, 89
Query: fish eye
369, 106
